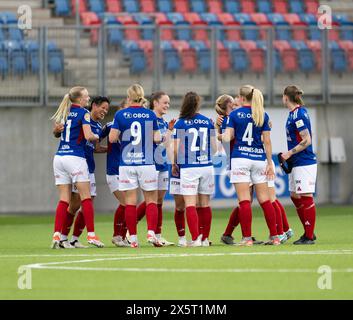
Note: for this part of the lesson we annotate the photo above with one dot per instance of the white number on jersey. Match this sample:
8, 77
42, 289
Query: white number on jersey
136, 132
194, 147
68, 128
247, 137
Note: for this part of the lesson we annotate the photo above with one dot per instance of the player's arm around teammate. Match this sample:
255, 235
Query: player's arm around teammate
302, 179
136, 128
251, 160
69, 163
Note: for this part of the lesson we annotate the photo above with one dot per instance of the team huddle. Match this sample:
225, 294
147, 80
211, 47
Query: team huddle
145, 153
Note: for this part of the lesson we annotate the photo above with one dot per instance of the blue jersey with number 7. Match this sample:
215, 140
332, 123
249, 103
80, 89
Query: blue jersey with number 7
248, 142
72, 141
136, 125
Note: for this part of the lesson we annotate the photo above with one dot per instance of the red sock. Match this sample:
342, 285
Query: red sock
79, 224
270, 217
279, 223
160, 219
193, 222
299, 207
88, 213
233, 222
200, 219
152, 216
130, 218
283, 215
206, 214
245, 217
60, 215
124, 229
69, 220
141, 211
119, 219
309, 216
179, 219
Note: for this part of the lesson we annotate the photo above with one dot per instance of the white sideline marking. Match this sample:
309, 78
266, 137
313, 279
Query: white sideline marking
59, 265
317, 252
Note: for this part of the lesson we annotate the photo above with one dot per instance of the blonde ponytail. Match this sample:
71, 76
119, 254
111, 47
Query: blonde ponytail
136, 94
257, 108
62, 113
256, 99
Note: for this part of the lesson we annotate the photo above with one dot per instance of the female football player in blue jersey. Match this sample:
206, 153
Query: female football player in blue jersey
251, 160
300, 152
225, 104
195, 135
137, 129
70, 166
159, 103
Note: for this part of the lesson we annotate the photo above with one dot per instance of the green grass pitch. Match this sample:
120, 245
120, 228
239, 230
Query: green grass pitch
216, 272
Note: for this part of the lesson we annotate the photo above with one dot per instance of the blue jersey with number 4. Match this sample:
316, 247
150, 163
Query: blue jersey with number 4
136, 126
248, 143
298, 120
72, 141
195, 140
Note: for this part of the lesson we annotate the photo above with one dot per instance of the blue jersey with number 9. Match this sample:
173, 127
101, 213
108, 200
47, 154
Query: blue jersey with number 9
136, 126
248, 143
72, 141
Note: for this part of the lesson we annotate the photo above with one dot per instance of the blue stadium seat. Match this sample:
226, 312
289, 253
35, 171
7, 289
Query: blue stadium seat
232, 6
204, 60
283, 33
306, 60
296, 6
115, 36
175, 17
8, 17
4, 66
171, 61
166, 45
347, 31
240, 62
18, 62
96, 6
340, 18
231, 45
242, 17
308, 18
131, 6
107, 18
62, 8
208, 17
250, 34
275, 18
32, 50
10, 45
314, 32
184, 33
15, 33
2, 35
51, 46
138, 61
197, 45
165, 6
127, 46
264, 6
55, 61
276, 55
198, 6
145, 20
298, 45
338, 60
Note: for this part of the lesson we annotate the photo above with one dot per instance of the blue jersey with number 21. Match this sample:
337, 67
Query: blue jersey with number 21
248, 143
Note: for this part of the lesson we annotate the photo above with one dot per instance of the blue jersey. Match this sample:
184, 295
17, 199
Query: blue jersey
248, 143
228, 147
195, 140
72, 141
298, 120
96, 128
160, 152
113, 153
136, 126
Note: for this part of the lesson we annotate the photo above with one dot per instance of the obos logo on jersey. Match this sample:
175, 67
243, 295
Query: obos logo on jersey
243, 115
127, 115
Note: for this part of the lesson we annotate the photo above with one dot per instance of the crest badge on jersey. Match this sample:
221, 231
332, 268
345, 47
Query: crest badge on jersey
189, 122
299, 123
87, 117
127, 115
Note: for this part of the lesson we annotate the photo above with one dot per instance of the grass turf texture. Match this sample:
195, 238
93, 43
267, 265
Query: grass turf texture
26, 240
